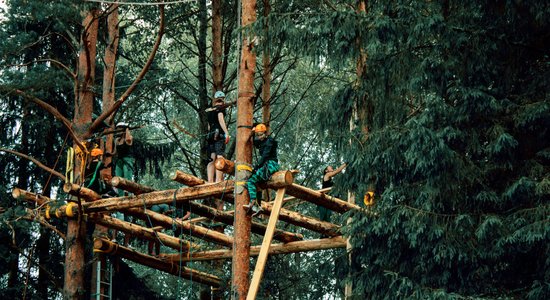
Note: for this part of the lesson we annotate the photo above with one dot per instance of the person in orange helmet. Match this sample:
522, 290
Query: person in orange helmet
264, 168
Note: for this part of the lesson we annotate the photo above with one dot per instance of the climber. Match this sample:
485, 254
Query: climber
217, 137
328, 174
124, 159
93, 179
265, 167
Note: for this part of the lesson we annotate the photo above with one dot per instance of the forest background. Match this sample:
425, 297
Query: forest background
449, 108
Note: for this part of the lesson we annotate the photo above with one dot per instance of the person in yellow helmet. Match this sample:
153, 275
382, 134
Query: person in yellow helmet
264, 168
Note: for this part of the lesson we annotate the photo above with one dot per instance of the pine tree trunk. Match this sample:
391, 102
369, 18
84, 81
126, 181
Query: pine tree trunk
245, 109
217, 59
203, 94
74, 282
266, 87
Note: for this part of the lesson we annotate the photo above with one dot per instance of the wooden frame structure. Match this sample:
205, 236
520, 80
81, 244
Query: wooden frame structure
95, 209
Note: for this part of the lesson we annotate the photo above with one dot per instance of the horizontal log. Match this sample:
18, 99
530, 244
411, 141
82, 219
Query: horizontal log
130, 186
225, 165
185, 227
161, 197
80, 192
227, 218
294, 218
278, 180
187, 179
274, 249
142, 232
18, 193
320, 199
108, 247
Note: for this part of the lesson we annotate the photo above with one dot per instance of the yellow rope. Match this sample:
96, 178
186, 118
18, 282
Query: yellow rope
244, 167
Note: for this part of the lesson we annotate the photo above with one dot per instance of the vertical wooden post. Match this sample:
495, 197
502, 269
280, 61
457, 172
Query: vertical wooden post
245, 111
266, 243
76, 228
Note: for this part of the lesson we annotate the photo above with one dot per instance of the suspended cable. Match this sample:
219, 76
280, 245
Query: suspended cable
141, 3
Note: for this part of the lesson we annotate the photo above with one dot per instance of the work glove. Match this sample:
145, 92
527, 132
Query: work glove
227, 138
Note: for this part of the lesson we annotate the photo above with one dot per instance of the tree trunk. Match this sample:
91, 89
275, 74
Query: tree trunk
266, 87
109, 71
217, 59
75, 257
245, 109
202, 89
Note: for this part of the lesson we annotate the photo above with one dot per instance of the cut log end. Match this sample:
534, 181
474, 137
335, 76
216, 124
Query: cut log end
16, 193
115, 181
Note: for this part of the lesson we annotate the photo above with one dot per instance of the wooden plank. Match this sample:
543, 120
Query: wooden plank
262, 258
275, 249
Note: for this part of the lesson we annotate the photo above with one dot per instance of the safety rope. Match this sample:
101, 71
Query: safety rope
56, 161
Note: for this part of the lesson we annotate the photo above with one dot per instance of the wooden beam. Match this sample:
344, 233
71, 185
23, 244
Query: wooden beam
225, 165
161, 197
18, 193
130, 186
320, 199
227, 218
322, 227
142, 232
278, 180
105, 246
80, 192
185, 227
187, 179
167, 222
275, 249
264, 251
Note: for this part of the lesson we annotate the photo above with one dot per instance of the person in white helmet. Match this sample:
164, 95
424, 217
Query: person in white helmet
218, 135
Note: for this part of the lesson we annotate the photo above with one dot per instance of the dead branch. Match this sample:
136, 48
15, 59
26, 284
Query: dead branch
52, 110
138, 79
37, 162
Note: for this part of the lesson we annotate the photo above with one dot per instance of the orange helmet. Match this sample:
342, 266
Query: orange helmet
96, 152
260, 128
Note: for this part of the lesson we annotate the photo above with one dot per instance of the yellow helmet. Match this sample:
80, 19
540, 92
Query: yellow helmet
260, 128
96, 152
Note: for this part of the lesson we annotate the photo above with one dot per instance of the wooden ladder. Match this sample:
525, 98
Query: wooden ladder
264, 251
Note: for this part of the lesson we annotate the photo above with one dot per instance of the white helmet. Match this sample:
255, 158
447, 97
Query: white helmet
219, 94
121, 125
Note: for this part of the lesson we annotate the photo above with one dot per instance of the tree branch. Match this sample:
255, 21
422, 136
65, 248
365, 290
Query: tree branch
134, 84
55, 62
37, 162
52, 110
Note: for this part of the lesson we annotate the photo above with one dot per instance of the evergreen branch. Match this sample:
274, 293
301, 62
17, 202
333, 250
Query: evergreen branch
55, 62
134, 84
52, 110
34, 216
37, 162
51, 276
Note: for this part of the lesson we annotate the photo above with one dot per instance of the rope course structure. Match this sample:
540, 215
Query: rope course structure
98, 210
